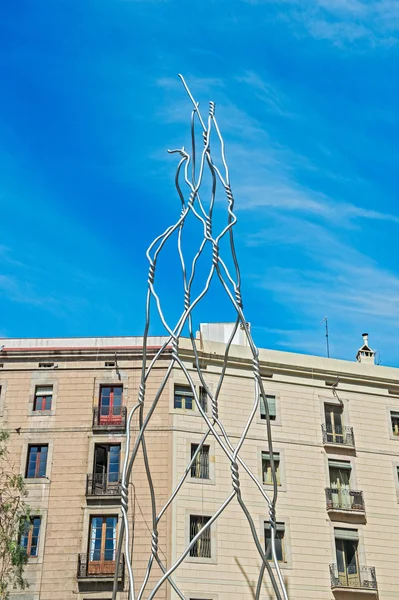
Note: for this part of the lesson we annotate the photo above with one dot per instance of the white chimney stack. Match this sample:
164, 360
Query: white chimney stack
365, 354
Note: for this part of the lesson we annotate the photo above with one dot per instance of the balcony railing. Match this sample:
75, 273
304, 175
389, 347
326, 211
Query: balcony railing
340, 436
98, 484
353, 577
99, 569
113, 421
341, 499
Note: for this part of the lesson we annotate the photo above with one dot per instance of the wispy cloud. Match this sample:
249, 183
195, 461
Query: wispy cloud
342, 22
286, 197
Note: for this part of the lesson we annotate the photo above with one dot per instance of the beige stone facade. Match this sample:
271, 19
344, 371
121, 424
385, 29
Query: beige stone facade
357, 452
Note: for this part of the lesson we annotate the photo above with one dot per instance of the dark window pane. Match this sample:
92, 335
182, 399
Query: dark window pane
279, 543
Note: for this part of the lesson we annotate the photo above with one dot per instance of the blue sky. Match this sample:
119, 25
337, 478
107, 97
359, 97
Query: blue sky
306, 94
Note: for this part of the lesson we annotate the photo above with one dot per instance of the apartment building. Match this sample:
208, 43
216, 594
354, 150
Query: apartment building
335, 427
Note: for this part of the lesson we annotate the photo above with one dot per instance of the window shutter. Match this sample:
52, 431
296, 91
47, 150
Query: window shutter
181, 390
271, 403
338, 464
346, 534
279, 526
44, 390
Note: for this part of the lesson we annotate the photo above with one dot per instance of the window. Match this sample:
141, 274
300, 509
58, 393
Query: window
333, 417
106, 468
37, 461
340, 474
30, 537
203, 399
346, 548
200, 466
43, 398
46, 365
111, 404
280, 550
202, 547
102, 545
271, 403
184, 397
395, 423
267, 468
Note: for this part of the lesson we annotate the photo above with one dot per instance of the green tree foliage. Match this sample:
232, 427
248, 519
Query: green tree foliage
14, 519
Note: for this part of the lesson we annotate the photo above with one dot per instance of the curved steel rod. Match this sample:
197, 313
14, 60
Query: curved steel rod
189, 181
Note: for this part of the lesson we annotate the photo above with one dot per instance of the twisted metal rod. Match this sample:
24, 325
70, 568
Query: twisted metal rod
232, 287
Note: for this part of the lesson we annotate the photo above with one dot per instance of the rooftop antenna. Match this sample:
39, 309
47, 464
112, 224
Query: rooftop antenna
325, 320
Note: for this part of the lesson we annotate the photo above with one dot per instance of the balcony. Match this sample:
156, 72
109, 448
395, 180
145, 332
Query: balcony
98, 486
99, 570
353, 578
348, 501
114, 421
338, 437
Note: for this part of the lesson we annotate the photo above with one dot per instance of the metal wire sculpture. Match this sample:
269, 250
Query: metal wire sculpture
194, 208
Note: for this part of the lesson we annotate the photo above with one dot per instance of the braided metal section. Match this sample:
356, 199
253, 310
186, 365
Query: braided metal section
190, 175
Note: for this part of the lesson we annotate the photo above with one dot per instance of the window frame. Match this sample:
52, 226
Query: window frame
198, 460
270, 392
37, 462
29, 535
194, 412
196, 438
42, 396
276, 458
190, 512
280, 526
42, 380
111, 418
190, 394
389, 410
276, 450
107, 444
395, 466
3, 394
287, 539
104, 517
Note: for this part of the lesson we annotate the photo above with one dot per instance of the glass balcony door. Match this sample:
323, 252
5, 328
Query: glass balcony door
333, 417
102, 545
340, 485
111, 405
106, 467
348, 562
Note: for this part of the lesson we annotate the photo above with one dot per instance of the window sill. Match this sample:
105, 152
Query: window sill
269, 487
197, 480
36, 480
201, 561
34, 560
41, 413
275, 423
282, 565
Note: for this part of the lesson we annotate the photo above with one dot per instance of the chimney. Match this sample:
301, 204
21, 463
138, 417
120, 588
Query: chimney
365, 354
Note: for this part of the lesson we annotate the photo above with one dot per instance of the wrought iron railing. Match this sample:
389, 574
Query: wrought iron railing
104, 569
342, 436
353, 577
98, 484
114, 420
341, 499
